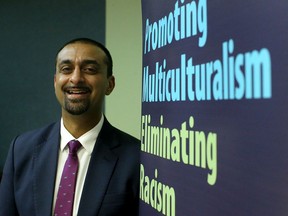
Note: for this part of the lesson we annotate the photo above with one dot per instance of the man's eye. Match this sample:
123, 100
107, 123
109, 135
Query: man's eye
66, 69
90, 70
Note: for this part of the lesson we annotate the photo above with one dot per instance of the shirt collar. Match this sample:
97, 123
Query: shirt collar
87, 140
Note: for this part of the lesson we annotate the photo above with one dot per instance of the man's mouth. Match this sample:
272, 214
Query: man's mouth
77, 90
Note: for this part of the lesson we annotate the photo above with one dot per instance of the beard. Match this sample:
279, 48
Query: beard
76, 106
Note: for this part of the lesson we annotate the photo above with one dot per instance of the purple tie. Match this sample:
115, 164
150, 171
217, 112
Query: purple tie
65, 197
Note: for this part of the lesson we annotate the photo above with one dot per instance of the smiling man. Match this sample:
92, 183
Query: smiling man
81, 81
80, 165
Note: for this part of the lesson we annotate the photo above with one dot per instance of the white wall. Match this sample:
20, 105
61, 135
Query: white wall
124, 40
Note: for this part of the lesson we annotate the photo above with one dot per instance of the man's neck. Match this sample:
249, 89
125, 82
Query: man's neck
78, 125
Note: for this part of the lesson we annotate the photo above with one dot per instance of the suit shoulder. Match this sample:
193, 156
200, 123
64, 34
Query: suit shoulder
24, 145
39, 134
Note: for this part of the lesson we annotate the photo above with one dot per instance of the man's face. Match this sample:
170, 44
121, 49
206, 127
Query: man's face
81, 81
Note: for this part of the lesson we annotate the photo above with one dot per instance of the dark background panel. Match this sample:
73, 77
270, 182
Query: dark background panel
31, 34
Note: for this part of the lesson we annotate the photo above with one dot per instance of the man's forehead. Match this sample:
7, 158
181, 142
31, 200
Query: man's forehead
81, 50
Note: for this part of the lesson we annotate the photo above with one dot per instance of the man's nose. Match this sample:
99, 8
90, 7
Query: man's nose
76, 76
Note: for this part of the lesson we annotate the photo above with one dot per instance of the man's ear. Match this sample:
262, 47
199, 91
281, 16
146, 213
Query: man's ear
111, 85
55, 80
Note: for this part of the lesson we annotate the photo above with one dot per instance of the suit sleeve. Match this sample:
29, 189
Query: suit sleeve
7, 195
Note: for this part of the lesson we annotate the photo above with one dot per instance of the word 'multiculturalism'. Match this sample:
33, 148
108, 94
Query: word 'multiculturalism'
244, 76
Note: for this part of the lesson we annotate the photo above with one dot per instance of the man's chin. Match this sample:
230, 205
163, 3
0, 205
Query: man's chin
76, 109
75, 112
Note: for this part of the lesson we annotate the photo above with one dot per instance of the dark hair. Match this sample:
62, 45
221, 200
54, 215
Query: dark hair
109, 60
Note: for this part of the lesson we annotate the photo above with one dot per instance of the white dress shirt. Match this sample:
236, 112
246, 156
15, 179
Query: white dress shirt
88, 141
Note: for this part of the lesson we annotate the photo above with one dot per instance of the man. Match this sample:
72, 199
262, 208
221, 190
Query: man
106, 160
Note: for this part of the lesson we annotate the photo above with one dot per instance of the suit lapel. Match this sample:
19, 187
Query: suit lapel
45, 165
102, 164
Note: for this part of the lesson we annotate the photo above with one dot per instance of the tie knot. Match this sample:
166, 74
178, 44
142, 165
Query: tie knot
74, 145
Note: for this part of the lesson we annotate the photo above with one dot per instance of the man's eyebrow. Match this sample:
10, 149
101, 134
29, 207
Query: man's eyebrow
84, 62
65, 62
88, 61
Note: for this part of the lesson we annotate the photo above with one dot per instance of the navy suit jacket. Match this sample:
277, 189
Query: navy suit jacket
111, 186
